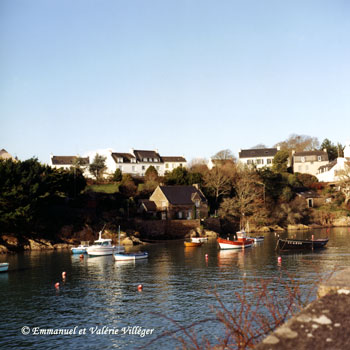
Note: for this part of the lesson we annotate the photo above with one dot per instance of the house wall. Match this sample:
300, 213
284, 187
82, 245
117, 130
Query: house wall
332, 174
158, 197
259, 162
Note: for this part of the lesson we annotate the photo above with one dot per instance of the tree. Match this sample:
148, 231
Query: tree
127, 186
117, 176
218, 181
299, 143
98, 166
259, 146
179, 176
280, 161
248, 202
151, 174
344, 182
332, 150
224, 155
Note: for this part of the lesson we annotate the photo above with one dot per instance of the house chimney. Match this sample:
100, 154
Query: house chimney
196, 186
278, 147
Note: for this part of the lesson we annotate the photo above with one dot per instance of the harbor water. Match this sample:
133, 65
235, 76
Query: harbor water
99, 306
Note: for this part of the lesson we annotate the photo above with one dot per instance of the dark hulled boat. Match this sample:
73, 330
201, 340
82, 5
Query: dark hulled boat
301, 244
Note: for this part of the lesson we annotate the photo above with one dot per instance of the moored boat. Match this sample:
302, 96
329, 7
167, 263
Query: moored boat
81, 249
301, 244
4, 267
241, 242
130, 256
192, 244
103, 246
257, 239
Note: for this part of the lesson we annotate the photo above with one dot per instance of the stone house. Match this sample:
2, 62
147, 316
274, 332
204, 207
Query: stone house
312, 198
179, 202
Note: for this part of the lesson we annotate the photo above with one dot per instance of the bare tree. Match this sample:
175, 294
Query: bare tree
224, 155
219, 181
299, 143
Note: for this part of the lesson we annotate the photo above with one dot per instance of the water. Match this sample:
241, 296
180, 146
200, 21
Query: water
177, 287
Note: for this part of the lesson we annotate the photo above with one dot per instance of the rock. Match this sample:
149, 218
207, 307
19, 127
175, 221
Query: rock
210, 234
343, 221
127, 241
62, 246
38, 245
298, 227
3, 249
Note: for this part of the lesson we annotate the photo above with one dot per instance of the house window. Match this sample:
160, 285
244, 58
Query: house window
189, 215
133, 168
303, 159
166, 165
197, 203
180, 165
319, 158
145, 159
268, 161
143, 167
179, 214
155, 160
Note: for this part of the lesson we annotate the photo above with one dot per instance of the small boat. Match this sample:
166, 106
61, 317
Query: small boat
103, 246
192, 244
81, 249
130, 256
4, 267
241, 242
257, 239
199, 239
301, 244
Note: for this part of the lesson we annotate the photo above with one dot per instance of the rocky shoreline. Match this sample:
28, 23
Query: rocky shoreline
68, 239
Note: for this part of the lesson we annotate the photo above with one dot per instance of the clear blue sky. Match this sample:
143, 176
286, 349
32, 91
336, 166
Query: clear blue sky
188, 77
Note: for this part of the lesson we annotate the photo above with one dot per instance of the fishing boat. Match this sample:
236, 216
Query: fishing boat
241, 242
81, 249
199, 239
103, 246
130, 256
301, 244
192, 244
4, 267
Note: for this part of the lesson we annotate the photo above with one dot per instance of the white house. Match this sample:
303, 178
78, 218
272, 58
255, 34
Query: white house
66, 162
135, 163
308, 162
259, 157
330, 172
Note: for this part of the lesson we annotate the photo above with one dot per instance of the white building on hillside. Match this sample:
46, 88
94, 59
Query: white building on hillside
259, 157
330, 172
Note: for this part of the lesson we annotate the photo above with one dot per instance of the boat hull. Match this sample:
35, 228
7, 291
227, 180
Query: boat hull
130, 256
238, 244
101, 251
4, 267
78, 250
199, 239
301, 244
193, 244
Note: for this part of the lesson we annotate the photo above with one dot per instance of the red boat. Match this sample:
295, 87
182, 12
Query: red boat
241, 242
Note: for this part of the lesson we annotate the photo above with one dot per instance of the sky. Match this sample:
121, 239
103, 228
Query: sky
186, 77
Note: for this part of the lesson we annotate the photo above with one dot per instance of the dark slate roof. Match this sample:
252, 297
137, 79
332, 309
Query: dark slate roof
173, 159
310, 153
126, 157
308, 194
140, 154
181, 194
68, 160
328, 166
149, 205
259, 152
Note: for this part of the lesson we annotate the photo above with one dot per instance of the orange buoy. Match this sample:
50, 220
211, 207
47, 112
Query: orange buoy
81, 256
57, 285
206, 256
140, 287
279, 259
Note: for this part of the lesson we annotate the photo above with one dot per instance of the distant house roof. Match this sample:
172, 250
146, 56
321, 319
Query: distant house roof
173, 159
257, 153
141, 154
5, 155
125, 156
68, 160
181, 194
149, 205
310, 153
308, 194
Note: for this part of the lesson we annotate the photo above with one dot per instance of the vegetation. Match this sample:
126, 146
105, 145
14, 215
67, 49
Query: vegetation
98, 166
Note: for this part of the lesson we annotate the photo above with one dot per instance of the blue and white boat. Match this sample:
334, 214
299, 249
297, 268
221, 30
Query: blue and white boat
130, 256
4, 267
81, 249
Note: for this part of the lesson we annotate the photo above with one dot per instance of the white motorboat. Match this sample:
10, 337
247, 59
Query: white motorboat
130, 256
199, 239
103, 246
4, 267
